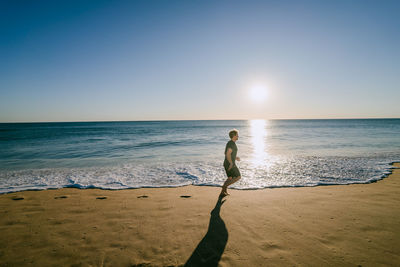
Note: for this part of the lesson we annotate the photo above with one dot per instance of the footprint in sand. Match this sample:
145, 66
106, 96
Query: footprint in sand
144, 196
101, 197
17, 198
185, 196
57, 197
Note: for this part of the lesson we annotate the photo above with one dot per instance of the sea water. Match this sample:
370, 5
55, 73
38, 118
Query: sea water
119, 155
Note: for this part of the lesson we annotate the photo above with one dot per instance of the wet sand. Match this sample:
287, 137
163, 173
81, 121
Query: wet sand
347, 225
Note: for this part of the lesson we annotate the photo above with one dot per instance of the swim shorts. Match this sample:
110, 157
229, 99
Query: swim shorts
234, 172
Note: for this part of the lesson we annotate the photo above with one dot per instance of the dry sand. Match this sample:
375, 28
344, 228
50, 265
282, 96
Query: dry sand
320, 226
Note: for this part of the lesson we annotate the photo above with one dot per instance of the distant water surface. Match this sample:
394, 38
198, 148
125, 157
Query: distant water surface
118, 155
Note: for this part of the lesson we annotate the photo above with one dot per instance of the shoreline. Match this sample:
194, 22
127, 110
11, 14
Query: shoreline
331, 225
391, 167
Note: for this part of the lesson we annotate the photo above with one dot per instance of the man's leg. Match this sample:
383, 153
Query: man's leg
225, 186
228, 182
232, 180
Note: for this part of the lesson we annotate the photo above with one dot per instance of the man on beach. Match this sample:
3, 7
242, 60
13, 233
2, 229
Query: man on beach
231, 169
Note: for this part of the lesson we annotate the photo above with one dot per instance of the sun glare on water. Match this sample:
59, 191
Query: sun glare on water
258, 135
258, 93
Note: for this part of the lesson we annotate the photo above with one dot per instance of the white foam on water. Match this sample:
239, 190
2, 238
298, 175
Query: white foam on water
277, 172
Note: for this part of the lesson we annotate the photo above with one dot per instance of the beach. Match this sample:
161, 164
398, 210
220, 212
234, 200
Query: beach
123, 122
343, 225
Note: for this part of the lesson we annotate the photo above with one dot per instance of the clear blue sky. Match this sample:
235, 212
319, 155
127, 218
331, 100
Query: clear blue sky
157, 60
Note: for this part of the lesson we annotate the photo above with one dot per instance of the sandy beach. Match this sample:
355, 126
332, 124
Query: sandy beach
350, 225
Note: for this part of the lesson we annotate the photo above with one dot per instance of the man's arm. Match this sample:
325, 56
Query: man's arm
229, 158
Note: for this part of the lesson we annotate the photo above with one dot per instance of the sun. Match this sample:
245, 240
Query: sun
258, 93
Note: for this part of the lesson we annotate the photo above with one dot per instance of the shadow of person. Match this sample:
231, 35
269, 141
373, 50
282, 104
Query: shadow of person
209, 251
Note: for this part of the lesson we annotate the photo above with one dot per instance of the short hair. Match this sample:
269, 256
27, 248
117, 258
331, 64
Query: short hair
233, 133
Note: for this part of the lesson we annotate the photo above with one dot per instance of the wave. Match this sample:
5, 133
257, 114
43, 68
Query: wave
283, 173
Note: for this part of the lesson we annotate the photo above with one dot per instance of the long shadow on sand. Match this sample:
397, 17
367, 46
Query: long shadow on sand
209, 251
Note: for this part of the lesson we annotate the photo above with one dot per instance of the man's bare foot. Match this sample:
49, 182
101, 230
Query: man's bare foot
224, 194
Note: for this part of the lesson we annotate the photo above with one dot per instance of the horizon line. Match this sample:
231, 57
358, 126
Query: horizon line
160, 120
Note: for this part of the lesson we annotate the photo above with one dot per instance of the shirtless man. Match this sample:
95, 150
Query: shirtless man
231, 169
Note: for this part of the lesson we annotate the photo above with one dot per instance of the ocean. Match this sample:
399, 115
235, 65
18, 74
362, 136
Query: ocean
121, 155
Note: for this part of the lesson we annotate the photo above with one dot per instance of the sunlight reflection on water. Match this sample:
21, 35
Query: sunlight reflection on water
258, 133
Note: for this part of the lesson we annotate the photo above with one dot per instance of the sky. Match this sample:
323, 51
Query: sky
198, 60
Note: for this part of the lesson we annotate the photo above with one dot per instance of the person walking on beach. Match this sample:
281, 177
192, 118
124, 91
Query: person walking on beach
231, 169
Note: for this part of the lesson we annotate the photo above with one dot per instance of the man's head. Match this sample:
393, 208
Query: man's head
234, 135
